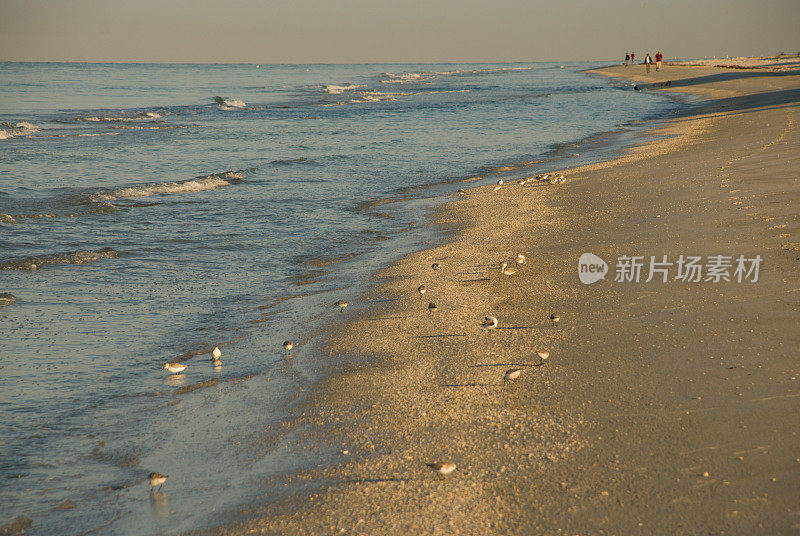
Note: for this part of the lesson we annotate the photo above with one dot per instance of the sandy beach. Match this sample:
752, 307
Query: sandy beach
664, 407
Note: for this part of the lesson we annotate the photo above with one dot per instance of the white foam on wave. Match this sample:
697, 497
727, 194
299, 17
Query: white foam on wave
337, 90
423, 76
197, 184
13, 130
234, 103
142, 116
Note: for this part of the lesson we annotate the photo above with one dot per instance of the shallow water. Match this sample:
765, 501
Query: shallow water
143, 220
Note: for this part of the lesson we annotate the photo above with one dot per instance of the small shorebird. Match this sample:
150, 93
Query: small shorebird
432, 308
461, 191
512, 374
543, 356
216, 353
521, 258
287, 346
490, 322
422, 290
561, 179
157, 479
499, 185
443, 468
555, 319
435, 265
505, 270
341, 304
174, 368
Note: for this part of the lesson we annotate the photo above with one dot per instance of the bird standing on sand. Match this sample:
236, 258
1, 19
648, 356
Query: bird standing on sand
555, 319
432, 308
341, 304
216, 353
490, 322
442, 468
499, 185
174, 368
435, 265
157, 479
461, 191
505, 270
422, 290
521, 258
512, 374
287, 347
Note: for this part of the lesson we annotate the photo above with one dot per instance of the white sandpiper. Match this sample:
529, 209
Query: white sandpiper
157, 479
443, 468
432, 308
341, 304
435, 265
422, 290
555, 319
216, 353
174, 368
505, 270
521, 258
499, 185
490, 322
512, 374
287, 347
544, 355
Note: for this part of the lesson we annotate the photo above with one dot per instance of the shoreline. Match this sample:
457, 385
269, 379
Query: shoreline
425, 387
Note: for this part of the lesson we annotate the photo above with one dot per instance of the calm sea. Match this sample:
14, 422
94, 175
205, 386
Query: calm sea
151, 212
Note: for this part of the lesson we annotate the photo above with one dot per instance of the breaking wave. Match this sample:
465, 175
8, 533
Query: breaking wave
12, 130
142, 116
69, 257
197, 184
336, 90
226, 104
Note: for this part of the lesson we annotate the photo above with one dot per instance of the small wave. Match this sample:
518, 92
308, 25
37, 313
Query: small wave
226, 103
7, 299
70, 257
10, 130
423, 76
289, 161
121, 118
336, 90
7, 218
197, 184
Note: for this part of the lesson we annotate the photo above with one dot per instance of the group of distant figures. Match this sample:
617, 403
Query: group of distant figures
631, 57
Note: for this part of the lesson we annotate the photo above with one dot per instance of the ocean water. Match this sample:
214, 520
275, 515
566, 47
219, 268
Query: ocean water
151, 212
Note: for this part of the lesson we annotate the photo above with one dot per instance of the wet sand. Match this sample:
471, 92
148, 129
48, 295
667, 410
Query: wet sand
664, 408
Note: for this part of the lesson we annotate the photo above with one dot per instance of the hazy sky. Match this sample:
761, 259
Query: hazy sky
354, 31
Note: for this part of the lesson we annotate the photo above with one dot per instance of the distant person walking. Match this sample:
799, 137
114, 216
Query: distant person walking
647, 62
627, 59
659, 57
633, 57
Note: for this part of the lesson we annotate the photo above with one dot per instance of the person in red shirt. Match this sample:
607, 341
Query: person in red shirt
659, 57
633, 57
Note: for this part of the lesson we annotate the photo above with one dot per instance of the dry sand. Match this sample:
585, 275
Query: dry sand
664, 408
